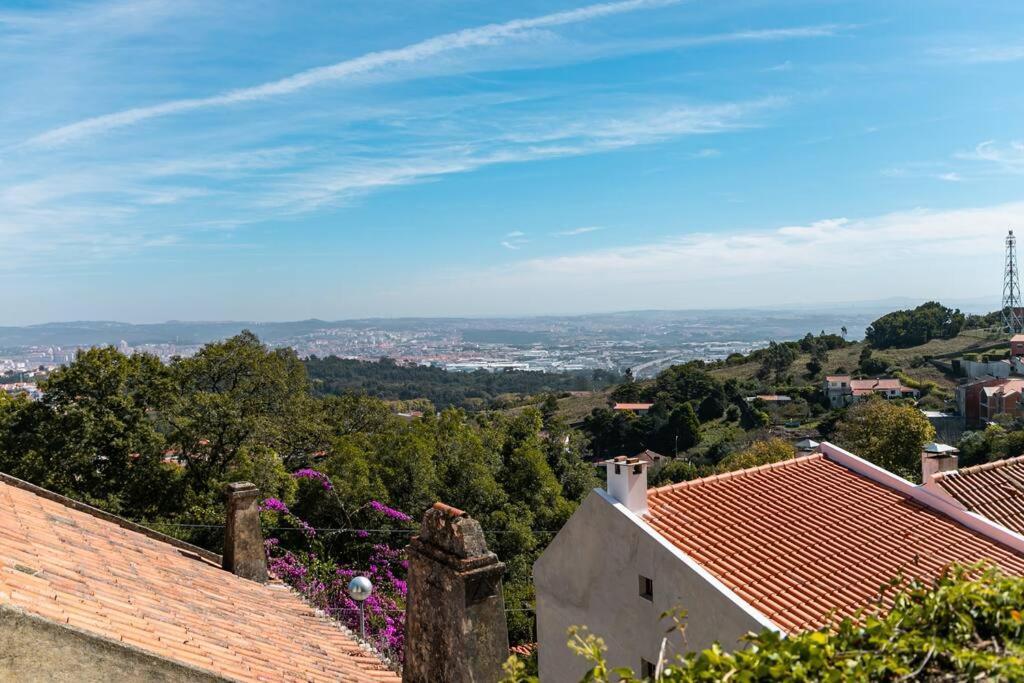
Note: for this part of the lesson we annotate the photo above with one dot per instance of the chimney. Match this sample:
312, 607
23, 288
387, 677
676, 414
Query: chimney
937, 457
455, 628
244, 553
627, 482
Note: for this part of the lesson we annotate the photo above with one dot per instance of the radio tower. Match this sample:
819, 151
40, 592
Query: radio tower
1013, 321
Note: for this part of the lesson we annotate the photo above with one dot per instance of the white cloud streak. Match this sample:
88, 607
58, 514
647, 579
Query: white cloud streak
758, 267
481, 36
984, 54
1009, 158
591, 135
578, 231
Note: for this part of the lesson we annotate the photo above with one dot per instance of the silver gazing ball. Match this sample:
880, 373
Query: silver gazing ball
360, 588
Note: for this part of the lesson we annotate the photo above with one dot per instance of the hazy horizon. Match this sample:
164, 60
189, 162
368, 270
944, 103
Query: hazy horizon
175, 160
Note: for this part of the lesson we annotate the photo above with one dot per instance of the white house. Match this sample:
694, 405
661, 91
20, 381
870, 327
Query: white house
789, 546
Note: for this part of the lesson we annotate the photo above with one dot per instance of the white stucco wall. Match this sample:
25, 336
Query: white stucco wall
589, 575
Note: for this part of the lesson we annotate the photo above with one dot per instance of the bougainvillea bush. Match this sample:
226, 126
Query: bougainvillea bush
297, 555
966, 626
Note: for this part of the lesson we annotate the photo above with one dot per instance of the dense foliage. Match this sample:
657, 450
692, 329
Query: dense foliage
390, 380
916, 326
967, 625
889, 434
157, 443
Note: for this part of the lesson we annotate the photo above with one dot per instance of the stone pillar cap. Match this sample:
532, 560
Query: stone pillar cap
241, 489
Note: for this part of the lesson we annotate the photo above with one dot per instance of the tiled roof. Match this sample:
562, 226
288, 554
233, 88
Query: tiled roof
1005, 387
804, 539
650, 456
994, 490
72, 567
875, 384
633, 406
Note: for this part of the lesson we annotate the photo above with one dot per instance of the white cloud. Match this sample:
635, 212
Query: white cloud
578, 231
983, 54
1009, 158
548, 139
951, 177
431, 48
920, 252
516, 233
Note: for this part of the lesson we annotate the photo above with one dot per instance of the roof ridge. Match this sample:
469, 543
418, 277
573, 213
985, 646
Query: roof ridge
108, 517
995, 464
734, 473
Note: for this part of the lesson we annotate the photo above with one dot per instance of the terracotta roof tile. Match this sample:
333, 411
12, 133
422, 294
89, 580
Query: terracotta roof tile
71, 567
994, 490
806, 541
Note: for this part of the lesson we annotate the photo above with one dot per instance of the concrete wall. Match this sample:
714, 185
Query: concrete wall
589, 576
976, 369
33, 649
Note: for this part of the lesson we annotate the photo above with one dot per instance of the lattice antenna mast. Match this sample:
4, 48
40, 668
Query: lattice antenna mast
1013, 321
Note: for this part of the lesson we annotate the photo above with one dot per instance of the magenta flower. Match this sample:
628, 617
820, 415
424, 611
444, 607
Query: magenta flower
273, 504
383, 509
315, 475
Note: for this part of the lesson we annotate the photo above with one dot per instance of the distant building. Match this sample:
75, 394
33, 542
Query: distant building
949, 427
1017, 345
787, 547
18, 388
807, 445
842, 390
638, 408
1001, 398
974, 369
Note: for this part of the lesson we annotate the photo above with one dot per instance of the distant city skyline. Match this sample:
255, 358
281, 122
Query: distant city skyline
176, 159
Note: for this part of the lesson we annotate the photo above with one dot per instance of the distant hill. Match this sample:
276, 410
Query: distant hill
847, 359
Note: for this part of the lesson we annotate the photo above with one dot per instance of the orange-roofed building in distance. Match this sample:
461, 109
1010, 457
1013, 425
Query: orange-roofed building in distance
1017, 346
842, 390
86, 596
790, 546
638, 408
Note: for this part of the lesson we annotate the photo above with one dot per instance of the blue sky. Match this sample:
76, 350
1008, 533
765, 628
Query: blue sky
267, 160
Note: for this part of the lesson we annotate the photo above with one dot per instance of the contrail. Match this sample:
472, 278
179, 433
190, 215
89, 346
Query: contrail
472, 37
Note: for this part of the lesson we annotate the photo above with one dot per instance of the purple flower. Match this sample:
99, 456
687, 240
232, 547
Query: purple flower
315, 475
362, 533
274, 504
383, 509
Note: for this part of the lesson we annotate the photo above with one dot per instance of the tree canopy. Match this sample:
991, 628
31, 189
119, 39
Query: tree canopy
888, 433
915, 326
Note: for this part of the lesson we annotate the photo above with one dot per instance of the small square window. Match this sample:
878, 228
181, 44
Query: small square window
646, 588
647, 669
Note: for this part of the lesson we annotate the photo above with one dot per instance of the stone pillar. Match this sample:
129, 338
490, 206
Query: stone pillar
455, 630
244, 553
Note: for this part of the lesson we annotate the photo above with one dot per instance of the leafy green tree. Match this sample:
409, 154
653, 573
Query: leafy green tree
761, 452
887, 433
914, 327
92, 436
776, 358
234, 394
681, 432
712, 407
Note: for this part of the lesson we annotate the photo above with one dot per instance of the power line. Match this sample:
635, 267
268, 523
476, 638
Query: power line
336, 529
